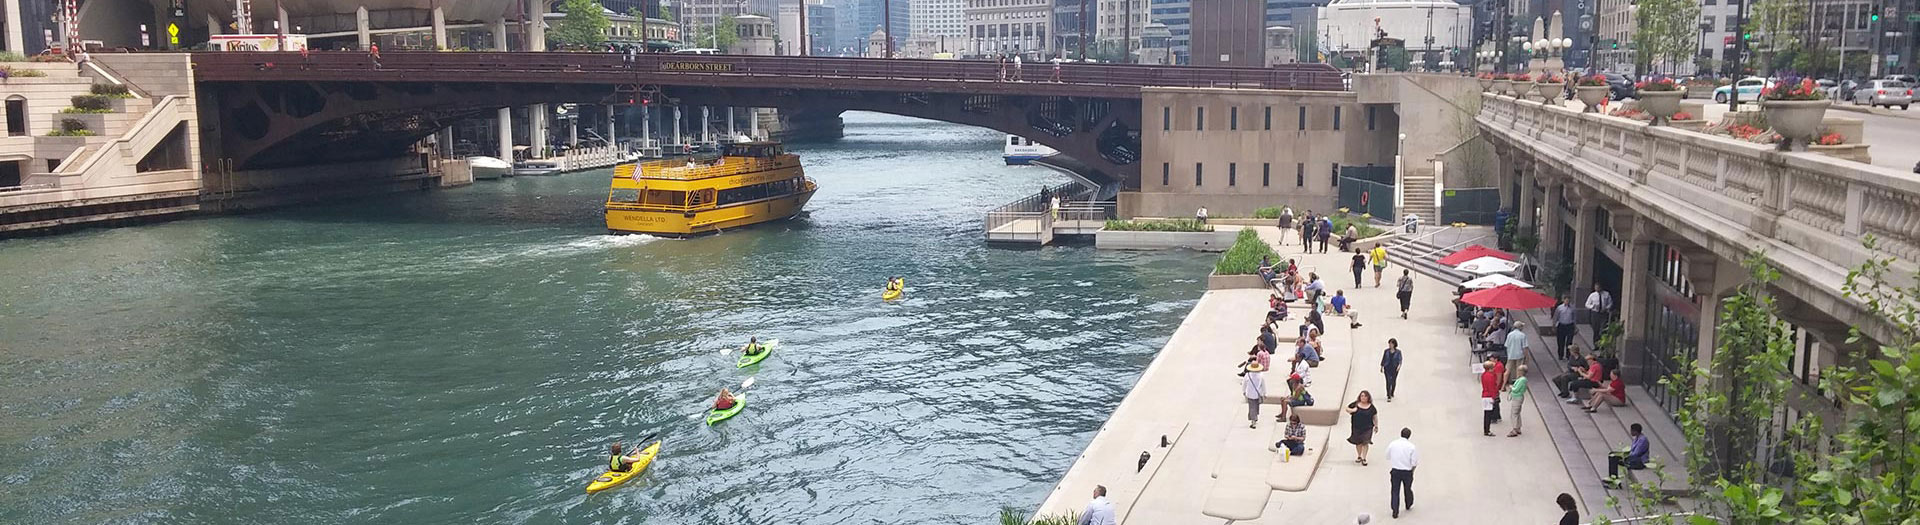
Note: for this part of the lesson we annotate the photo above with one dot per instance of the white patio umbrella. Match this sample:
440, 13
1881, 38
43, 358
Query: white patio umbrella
1487, 265
1493, 280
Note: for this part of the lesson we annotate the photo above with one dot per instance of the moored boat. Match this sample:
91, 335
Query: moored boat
489, 168
1021, 150
747, 183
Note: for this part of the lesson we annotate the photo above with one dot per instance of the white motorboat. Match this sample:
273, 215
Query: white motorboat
489, 168
1020, 150
535, 167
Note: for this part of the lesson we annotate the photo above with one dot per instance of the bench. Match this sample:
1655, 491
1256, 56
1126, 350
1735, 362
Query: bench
1329, 387
1296, 474
1240, 488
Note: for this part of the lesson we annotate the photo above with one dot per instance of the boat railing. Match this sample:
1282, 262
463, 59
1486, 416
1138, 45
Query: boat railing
682, 169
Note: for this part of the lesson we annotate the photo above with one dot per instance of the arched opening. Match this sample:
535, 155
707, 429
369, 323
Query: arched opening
17, 116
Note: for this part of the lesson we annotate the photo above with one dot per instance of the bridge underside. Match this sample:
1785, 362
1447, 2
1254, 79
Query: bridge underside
281, 124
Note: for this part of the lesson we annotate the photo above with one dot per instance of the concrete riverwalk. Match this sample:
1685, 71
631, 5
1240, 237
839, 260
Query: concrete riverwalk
1216, 470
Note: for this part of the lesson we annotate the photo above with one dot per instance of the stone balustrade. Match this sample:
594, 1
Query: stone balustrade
1807, 212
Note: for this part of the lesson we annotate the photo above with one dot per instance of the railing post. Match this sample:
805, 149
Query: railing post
1856, 203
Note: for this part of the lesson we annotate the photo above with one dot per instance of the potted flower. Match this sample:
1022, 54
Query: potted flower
1794, 108
1592, 90
1659, 97
1520, 83
1501, 81
1486, 81
1550, 85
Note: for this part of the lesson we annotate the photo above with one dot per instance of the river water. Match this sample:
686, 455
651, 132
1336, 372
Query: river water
465, 355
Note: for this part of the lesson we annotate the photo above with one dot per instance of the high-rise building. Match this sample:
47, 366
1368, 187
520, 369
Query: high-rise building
937, 18
652, 7
1067, 25
1176, 15
37, 21
1115, 18
867, 15
1010, 27
1614, 24
1228, 33
823, 22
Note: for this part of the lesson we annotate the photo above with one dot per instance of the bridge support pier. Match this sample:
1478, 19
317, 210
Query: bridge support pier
499, 29
677, 126
706, 124
753, 123
537, 29
611, 132
732, 132
573, 131
537, 130
506, 133
439, 27
646, 123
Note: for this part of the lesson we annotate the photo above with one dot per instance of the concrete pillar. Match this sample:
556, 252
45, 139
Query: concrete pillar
1633, 297
732, 132
537, 116
1552, 225
505, 117
213, 26
706, 124
573, 131
1529, 199
753, 123
439, 28
646, 123
1584, 237
536, 25
280, 15
15, 42
364, 26
677, 126
444, 140
611, 138
499, 30
1713, 280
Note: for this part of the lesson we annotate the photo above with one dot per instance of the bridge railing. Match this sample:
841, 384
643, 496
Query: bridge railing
542, 67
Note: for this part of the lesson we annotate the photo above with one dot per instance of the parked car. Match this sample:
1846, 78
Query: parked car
1845, 91
1903, 78
1620, 87
1749, 87
1831, 88
1884, 92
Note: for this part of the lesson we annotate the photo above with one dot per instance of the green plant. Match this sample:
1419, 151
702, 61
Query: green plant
1592, 81
111, 90
9, 56
1793, 88
1169, 225
92, 102
1657, 84
1270, 212
84, 110
74, 133
585, 24
1341, 221
11, 72
1557, 271
1012, 516
1243, 258
72, 125
1665, 31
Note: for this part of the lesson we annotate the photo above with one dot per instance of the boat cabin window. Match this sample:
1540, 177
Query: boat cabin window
760, 191
764, 150
623, 195
1013, 140
666, 198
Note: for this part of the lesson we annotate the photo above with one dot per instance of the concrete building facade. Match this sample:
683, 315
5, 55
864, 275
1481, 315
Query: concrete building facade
1238, 150
1022, 27
1121, 22
1068, 25
938, 18
1231, 33
1177, 16
1614, 24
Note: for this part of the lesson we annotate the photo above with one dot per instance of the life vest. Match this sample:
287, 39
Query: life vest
618, 463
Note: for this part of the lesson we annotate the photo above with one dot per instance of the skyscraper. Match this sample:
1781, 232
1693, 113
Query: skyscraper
1177, 16
1067, 26
867, 18
937, 18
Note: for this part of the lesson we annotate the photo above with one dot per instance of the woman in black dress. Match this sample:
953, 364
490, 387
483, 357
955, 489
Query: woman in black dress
1363, 425
1359, 265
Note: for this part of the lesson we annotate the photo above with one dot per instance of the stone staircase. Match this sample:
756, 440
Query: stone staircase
1420, 198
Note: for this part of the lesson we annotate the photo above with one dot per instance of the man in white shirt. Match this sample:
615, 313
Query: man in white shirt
1099, 511
1599, 308
1402, 457
1200, 215
1563, 329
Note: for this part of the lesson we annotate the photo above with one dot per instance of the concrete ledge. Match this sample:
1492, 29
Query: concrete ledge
1236, 282
1214, 241
1295, 475
1239, 488
1329, 388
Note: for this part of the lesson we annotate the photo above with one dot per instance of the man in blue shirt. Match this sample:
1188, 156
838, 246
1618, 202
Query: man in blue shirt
1634, 458
1516, 347
1339, 304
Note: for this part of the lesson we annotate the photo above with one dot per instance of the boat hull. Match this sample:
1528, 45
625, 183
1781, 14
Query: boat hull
1021, 160
684, 224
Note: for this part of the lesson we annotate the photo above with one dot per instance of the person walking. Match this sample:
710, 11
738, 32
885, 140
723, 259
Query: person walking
1363, 418
373, 51
1489, 394
1516, 394
1286, 223
1324, 232
1017, 66
1254, 388
1516, 348
1378, 257
1563, 327
1599, 307
1307, 227
1100, 510
1390, 365
1405, 294
1402, 458
1572, 509
1056, 70
1359, 266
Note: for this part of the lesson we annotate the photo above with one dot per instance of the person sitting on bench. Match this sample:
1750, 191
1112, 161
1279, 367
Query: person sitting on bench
1295, 440
1634, 457
1615, 393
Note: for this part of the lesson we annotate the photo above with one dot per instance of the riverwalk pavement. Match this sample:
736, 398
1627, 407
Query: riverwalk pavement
1216, 470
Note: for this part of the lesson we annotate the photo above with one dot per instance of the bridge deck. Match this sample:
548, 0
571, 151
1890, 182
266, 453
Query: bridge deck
857, 74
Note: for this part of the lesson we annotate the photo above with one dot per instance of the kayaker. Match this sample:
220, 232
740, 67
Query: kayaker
725, 401
621, 462
753, 346
896, 284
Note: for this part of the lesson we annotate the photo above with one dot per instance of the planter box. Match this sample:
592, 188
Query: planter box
1243, 221
1236, 282
1214, 241
1853, 152
1700, 92
96, 122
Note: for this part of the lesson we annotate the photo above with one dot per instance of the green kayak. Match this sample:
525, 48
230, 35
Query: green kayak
747, 360
716, 416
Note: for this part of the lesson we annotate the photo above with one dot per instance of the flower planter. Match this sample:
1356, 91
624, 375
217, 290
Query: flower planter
1500, 87
1661, 105
1548, 91
1486, 84
1591, 96
1797, 121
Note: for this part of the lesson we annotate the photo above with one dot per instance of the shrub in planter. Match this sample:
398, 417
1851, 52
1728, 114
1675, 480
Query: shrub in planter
1244, 257
9, 72
1795, 108
1660, 98
111, 90
71, 125
1174, 225
9, 56
1270, 212
1591, 90
93, 103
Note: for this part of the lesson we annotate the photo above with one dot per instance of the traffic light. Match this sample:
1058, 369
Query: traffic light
1874, 17
1616, 44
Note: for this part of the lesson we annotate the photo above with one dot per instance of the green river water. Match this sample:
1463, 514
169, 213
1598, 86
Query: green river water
466, 355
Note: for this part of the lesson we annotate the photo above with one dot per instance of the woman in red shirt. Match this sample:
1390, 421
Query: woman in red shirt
1615, 393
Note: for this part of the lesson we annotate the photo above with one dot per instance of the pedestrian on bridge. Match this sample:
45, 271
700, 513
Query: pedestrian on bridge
1056, 70
373, 51
1016, 68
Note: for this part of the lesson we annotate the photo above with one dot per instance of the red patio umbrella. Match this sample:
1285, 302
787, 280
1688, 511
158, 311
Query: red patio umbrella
1509, 297
1475, 252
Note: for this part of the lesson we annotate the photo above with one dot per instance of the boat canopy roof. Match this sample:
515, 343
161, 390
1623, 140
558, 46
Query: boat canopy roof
765, 150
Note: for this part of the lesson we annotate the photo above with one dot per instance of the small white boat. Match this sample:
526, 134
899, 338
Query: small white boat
1020, 150
535, 167
489, 168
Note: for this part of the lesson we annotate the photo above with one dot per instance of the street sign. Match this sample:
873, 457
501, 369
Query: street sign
1890, 11
1913, 17
173, 34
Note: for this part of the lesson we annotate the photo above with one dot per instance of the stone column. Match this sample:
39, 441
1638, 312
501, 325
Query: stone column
439, 28
753, 123
505, 117
1552, 225
1633, 298
611, 138
1584, 239
536, 25
646, 123
732, 131
537, 130
573, 130
706, 124
677, 126
15, 42
364, 25
1713, 279
499, 34
281, 16
1528, 200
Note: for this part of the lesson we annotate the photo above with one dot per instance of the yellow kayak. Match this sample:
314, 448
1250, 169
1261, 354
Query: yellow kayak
891, 294
613, 479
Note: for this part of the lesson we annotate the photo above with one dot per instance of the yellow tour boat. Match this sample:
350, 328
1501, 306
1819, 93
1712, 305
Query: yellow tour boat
748, 183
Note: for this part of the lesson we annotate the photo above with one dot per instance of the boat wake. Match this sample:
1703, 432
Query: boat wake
588, 244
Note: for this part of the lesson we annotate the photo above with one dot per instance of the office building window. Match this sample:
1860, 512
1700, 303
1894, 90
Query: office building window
1336, 118
1166, 174
1269, 119
1233, 120
1166, 118
1303, 118
1199, 119
1266, 174
1300, 175
1233, 173
1197, 174
1370, 118
1336, 172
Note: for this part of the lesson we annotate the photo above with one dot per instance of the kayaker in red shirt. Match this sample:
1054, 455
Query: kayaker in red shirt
725, 401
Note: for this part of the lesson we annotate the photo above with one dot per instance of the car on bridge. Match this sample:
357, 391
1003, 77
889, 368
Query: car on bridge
1749, 87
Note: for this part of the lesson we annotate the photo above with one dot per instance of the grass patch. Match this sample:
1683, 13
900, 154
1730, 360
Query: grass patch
74, 133
9, 56
1341, 221
1169, 225
9, 72
1270, 212
1012, 516
1244, 257
71, 111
